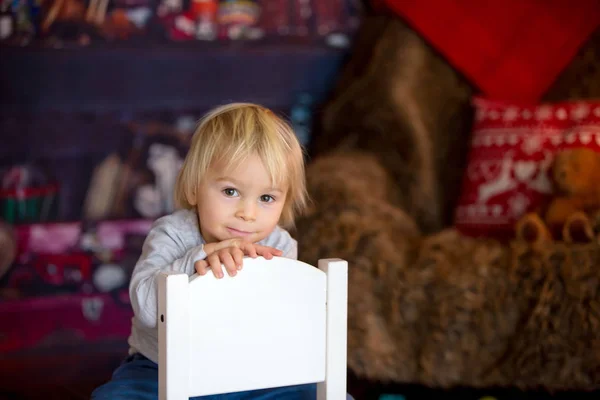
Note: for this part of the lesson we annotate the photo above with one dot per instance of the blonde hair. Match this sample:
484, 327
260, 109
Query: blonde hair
233, 132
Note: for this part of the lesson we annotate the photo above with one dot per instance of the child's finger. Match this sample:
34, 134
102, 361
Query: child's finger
215, 265
250, 249
228, 262
238, 257
201, 267
268, 252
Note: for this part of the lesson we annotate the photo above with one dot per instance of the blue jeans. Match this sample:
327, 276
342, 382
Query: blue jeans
137, 379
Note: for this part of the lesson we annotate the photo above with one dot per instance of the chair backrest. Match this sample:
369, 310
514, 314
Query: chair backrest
278, 322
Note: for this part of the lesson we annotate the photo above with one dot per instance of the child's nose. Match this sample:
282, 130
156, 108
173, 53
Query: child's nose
247, 211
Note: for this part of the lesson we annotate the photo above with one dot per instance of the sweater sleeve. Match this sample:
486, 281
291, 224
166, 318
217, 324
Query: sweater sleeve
282, 240
291, 249
165, 249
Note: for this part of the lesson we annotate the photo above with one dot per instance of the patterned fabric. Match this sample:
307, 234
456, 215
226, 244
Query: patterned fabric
512, 151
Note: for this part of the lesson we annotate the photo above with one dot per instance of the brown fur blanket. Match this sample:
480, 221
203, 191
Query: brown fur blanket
399, 100
444, 309
426, 304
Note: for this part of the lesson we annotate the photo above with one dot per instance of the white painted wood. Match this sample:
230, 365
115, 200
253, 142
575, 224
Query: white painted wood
173, 336
265, 327
334, 386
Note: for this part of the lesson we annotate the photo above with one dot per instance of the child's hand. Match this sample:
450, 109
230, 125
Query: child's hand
231, 253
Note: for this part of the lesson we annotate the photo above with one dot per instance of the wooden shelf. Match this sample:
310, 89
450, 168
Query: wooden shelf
171, 76
66, 107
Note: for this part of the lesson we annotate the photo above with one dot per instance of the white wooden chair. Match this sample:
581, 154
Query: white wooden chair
279, 322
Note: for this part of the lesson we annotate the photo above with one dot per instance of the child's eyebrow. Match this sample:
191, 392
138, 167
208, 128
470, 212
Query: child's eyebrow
228, 179
238, 183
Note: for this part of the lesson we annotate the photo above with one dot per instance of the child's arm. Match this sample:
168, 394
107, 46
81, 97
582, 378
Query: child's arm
166, 248
230, 252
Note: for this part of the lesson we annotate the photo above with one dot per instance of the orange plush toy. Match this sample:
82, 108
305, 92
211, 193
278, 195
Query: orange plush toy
574, 211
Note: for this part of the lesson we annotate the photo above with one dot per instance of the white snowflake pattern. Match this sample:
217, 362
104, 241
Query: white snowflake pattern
543, 113
518, 204
556, 140
532, 144
511, 114
526, 114
580, 112
597, 111
585, 137
571, 137
494, 115
561, 114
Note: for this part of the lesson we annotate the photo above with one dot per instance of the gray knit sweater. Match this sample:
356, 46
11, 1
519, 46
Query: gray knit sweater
174, 243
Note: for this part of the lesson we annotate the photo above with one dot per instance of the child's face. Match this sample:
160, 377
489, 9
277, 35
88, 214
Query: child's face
239, 202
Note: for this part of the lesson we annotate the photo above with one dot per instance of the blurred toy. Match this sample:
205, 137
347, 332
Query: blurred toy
141, 183
164, 161
204, 13
50, 273
181, 27
110, 236
64, 21
8, 247
64, 269
255, 19
96, 11
75, 258
238, 19
71, 20
166, 7
137, 12
120, 26
570, 213
27, 195
24, 24
66, 10
114, 272
7, 23
109, 277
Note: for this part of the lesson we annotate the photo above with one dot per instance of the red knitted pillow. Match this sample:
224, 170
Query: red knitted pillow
512, 149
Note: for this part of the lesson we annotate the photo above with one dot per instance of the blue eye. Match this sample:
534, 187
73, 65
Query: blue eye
230, 192
266, 198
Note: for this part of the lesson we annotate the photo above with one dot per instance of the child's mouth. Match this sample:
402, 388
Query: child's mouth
237, 232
